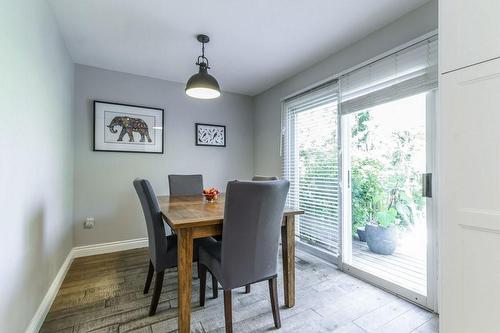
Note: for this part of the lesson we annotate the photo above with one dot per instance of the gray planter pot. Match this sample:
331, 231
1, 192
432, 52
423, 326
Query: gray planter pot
381, 240
361, 234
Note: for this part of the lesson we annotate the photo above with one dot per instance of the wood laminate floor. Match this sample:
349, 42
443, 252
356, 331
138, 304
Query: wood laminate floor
103, 294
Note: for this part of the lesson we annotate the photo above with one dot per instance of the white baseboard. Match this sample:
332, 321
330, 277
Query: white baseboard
90, 250
42, 311
77, 252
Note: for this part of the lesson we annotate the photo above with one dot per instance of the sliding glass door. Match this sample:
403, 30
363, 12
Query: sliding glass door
388, 202
359, 154
387, 113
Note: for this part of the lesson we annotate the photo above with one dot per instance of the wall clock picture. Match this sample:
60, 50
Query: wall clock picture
210, 135
128, 128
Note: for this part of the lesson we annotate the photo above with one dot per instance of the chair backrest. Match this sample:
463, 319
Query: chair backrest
264, 178
251, 231
185, 184
154, 222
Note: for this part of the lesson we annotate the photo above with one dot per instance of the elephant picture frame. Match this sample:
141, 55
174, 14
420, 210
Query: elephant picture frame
128, 128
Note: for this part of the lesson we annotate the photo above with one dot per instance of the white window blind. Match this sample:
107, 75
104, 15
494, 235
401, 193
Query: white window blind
310, 163
408, 72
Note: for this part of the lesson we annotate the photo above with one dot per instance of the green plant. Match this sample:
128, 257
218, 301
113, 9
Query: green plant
403, 181
360, 132
367, 191
383, 175
387, 217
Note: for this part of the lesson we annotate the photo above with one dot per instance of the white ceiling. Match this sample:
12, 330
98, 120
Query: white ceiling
254, 44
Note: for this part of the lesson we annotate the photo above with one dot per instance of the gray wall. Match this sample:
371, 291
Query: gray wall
36, 166
103, 180
267, 105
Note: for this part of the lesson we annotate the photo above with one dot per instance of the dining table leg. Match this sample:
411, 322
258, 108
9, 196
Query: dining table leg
288, 255
184, 267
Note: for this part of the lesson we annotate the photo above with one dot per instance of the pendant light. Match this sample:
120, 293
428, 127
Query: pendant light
202, 85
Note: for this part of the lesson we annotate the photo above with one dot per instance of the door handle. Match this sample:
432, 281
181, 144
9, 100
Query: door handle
427, 185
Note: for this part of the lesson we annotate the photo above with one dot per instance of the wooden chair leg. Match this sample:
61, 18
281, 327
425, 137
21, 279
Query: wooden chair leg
228, 311
273, 293
202, 271
149, 278
247, 289
215, 287
156, 293
198, 268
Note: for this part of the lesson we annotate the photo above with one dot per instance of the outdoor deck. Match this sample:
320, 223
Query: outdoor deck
400, 267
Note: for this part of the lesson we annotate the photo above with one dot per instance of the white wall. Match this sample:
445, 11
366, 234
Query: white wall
36, 167
103, 180
469, 150
267, 105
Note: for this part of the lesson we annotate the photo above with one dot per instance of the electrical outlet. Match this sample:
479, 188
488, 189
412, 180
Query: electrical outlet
89, 223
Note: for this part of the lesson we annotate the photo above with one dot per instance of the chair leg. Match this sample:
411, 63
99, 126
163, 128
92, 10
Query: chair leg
247, 289
215, 287
228, 311
156, 293
202, 272
198, 269
273, 293
149, 277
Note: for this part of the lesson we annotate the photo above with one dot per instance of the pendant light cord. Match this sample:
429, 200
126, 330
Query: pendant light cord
202, 56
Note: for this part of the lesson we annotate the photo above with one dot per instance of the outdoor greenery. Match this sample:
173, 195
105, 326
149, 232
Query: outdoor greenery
386, 218
367, 191
385, 185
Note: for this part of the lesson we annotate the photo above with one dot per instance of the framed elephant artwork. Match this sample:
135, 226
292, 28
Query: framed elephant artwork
128, 128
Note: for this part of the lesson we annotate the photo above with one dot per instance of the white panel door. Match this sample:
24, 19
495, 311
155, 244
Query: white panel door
469, 32
469, 197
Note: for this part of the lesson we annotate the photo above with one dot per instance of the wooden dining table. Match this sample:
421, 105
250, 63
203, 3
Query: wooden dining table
194, 217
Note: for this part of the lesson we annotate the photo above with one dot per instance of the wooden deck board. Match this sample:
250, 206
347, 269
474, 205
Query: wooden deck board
400, 268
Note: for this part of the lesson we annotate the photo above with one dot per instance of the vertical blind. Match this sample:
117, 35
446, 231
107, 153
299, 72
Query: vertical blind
411, 71
309, 149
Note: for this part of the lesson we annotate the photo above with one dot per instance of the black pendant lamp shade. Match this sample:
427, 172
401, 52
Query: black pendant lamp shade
203, 85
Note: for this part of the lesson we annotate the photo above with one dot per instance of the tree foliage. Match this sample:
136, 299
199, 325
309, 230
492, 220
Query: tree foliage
367, 191
383, 176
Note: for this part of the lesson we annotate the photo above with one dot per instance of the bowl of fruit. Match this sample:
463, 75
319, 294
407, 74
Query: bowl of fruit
211, 194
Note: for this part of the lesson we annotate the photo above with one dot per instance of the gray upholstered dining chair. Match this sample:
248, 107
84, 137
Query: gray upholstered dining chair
248, 252
185, 184
258, 178
162, 248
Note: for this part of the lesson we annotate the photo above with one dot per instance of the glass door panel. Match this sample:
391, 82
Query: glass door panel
310, 163
317, 175
386, 223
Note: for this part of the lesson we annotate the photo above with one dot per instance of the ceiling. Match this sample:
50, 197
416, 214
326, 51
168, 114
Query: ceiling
254, 44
